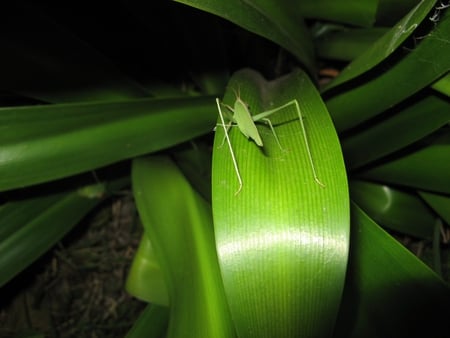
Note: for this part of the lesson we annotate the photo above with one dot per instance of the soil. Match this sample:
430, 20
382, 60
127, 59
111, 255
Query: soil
77, 289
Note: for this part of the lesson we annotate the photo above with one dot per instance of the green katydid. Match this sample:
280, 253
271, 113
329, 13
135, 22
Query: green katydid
246, 122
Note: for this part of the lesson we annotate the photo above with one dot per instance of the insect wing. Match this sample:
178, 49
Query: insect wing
245, 122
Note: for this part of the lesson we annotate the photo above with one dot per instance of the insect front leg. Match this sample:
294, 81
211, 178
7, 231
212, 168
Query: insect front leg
233, 158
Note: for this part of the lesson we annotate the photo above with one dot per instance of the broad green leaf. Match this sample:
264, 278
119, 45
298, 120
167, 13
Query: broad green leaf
395, 209
439, 203
179, 224
47, 142
282, 240
145, 279
418, 119
277, 21
426, 168
152, 323
34, 235
389, 292
386, 45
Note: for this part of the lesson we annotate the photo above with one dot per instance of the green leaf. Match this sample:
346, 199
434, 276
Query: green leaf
426, 168
395, 209
386, 45
283, 239
47, 142
393, 82
145, 279
14, 215
179, 224
443, 85
389, 292
418, 119
274, 20
50, 218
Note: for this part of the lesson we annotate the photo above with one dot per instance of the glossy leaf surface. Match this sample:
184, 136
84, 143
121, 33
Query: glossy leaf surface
46, 142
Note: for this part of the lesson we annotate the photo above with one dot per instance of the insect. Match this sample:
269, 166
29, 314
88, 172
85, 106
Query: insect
241, 117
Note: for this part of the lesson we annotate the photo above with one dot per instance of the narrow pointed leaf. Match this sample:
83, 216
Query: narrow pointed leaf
283, 239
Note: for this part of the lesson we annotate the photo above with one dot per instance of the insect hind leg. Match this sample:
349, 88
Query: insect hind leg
269, 123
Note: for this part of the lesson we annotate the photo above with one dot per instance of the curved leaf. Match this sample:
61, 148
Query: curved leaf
145, 279
283, 239
394, 209
179, 225
42, 143
274, 20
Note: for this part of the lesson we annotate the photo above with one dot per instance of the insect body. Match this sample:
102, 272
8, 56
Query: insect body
244, 121
240, 116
